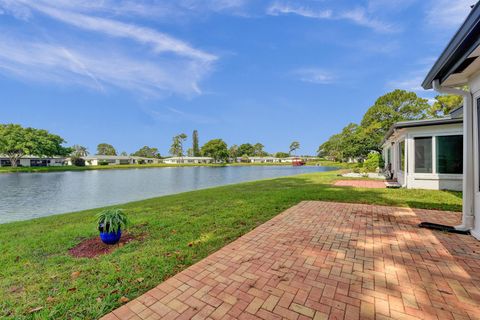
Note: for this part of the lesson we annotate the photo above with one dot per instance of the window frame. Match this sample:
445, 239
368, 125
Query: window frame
433, 134
437, 154
401, 155
432, 140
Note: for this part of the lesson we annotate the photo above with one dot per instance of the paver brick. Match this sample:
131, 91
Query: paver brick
326, 260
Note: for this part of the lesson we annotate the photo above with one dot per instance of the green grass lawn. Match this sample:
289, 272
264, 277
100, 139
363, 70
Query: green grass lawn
36, 270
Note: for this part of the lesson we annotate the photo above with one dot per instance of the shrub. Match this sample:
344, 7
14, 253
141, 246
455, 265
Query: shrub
373, 162
111, 220
78, 162
103, 163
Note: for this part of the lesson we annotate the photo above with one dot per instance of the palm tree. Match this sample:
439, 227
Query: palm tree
79, 151
295, 145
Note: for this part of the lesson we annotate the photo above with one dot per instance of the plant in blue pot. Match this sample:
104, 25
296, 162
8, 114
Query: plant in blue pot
110, 224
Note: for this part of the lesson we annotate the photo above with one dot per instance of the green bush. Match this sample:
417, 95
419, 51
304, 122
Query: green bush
78, 162
103, 163
374, 161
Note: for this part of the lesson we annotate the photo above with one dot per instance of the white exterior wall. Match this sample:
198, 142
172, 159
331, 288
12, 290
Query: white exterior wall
474, 85
410, 179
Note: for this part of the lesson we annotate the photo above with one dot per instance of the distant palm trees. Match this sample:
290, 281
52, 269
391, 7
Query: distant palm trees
295, 145
79, 151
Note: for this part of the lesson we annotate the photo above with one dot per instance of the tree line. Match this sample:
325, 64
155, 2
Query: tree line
17, 142
358, 140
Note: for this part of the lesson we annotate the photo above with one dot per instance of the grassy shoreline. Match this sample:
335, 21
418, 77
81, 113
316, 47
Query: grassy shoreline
151, 166
180, 230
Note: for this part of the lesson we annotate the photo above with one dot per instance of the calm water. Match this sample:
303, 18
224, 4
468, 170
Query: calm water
30, 195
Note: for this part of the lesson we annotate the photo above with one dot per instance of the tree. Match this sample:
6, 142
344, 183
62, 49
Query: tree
195, 146
124, 154
105, 149
233, 152
398, 105
147, 152
246, 149
444, 105
395, 106
258, 150
190, 152
216, 149
295, 145
16, 142
358, 141
79, 151
177, 145
281, 155
331, 148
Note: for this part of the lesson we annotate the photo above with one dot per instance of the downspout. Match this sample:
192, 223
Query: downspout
468, 166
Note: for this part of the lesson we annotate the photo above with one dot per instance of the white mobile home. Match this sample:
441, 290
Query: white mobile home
426, 154
33, 161
260, 159
116, 160
188, 160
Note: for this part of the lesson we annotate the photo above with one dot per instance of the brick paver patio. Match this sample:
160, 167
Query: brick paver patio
369, 184
326, 260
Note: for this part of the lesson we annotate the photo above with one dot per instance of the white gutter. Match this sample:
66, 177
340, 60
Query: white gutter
468, 146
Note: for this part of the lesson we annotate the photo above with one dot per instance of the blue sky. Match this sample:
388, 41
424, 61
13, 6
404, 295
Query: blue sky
134, 73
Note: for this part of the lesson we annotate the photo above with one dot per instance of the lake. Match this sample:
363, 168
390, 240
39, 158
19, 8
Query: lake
31, 195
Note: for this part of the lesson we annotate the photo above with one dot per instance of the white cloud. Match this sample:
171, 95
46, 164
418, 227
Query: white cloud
160, 41
358, 16
314, 75
49, 63
412, 83
277, 9
174, 115
162, 64
448, 14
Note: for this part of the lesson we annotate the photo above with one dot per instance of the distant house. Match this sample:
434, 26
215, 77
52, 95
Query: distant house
259, 159
33, 161
188, 160
426, 154
295, 159
116, 160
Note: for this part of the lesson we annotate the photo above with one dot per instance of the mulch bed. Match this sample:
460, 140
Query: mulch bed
94, 247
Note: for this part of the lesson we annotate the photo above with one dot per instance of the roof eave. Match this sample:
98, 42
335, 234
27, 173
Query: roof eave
457, 50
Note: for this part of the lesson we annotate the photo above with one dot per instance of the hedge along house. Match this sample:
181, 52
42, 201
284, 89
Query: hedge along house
457, 66
426, 154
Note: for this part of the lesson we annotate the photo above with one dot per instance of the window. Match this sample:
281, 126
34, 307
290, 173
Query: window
450, 154
423, 155
401, 155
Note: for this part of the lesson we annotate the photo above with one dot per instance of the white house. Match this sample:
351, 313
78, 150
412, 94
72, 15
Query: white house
260, 159
188, 160
34, 161
116, 160
457, 66
426, 154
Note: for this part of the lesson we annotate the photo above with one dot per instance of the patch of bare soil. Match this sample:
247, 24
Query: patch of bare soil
94, 247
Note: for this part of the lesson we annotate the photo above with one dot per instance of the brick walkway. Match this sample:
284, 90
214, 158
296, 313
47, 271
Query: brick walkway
369, 184
328, 261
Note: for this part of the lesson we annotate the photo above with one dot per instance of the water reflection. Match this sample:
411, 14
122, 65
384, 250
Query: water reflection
29, 195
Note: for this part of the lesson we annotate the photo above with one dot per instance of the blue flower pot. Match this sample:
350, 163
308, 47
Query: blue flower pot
110, 237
